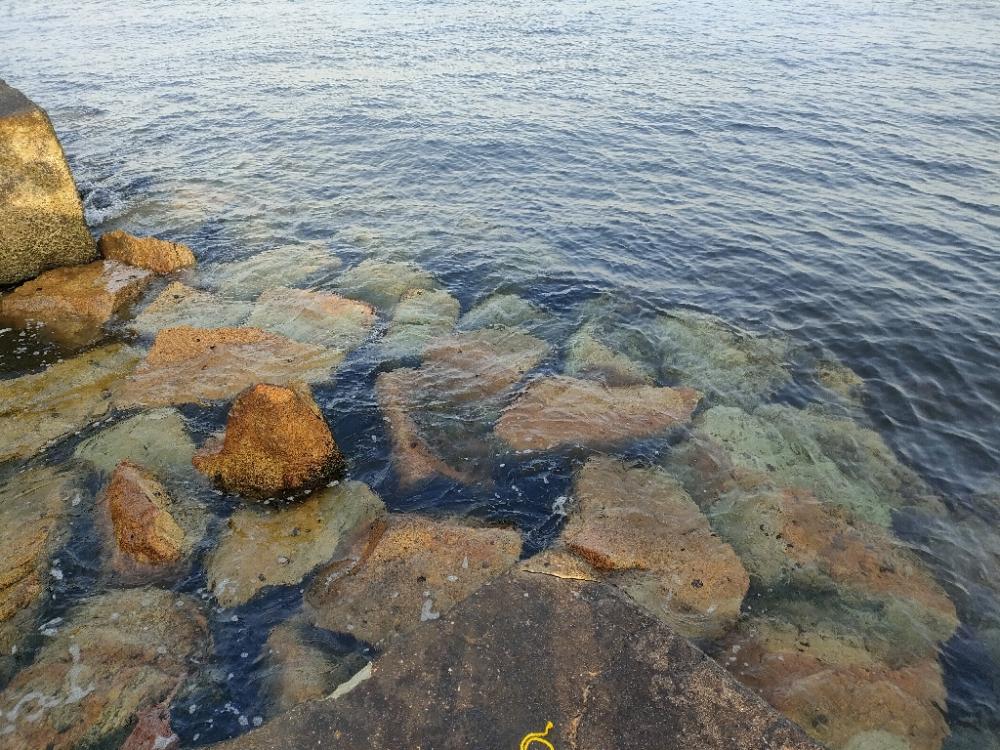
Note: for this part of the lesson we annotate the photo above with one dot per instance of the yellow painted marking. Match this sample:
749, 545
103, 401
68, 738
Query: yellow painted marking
537, 737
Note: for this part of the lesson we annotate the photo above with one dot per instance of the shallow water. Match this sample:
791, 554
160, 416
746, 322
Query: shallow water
828, 172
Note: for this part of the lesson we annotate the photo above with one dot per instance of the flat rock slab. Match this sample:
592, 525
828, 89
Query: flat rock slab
180, 305
156, 439
531, 649
314, 317
383, 283
286, 266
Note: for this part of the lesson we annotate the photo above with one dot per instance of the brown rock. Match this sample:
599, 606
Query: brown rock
153, 732
74, 303
41, 217
191, 365
642, 532
158, 256
418, 569
139, 509
527, 650
561, 411
276, 444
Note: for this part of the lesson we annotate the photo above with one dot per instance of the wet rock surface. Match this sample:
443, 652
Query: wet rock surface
638, 529
383, 283
74, 304
420, 317
117, 654
180, 305
156, 255
314, 317
281, 545
37, 409
286, 266
191, 365
588, 357
410, 572
41, 217
504, 311
526, 650
139, 509
277, 444
561, 411
155, 438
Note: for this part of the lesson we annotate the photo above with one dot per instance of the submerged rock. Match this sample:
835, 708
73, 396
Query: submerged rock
286, 266
421, 317
73, 304
588, 357
314, 317
561, 411
41, 218
383, 283
835, 689
531, 649
157, 439
840, 379
192, 365
117, 654
34, 524
416, 570
180, 305
441, 414
158, 256
276, 444
139, 510
281, 546
639, 529
37, 409
504, 311
731, 366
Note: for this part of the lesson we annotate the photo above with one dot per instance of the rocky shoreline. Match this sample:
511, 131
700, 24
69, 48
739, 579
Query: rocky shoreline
760, 534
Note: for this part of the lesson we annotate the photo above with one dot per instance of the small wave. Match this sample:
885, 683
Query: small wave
102, 204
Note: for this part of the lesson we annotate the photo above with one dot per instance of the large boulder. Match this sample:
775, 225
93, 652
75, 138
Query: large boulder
568, 661
276, 444
156, 255
41, 217
72, 305
116, 655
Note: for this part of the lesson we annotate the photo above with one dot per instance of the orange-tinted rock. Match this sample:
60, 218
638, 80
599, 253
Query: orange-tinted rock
640, 530
276, 444
74, 303
191, 365
418, 569
561, 411
153, 732
138, 506
158, 256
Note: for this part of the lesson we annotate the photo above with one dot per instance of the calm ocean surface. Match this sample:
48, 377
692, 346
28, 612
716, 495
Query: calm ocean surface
828, 170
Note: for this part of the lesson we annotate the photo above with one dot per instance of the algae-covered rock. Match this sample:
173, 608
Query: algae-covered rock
37, 409
731, 366
383, 283
588, 357
74, 304
642, 532
157, 439
561, 411
192, 365
116, 655
276, 444
280, 546
287, 266
416, 570
421, 317
840, 379
314, 317
180, 305
34, 524
504, 311
41, 218
158, 256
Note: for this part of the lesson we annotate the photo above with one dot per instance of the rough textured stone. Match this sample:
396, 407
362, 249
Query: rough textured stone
73, 304
285, 266
417, 569
281, 546
560, 411
641, 531
837, 690
116, 655
180, 305
421, 317
440, 416
152, 731
383, 283
37, 409
191, 365
157, 439
277, 444
314, 317
158, 256
34, 524
840, 379
588, 357
530, 649
41, 217
139, 508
